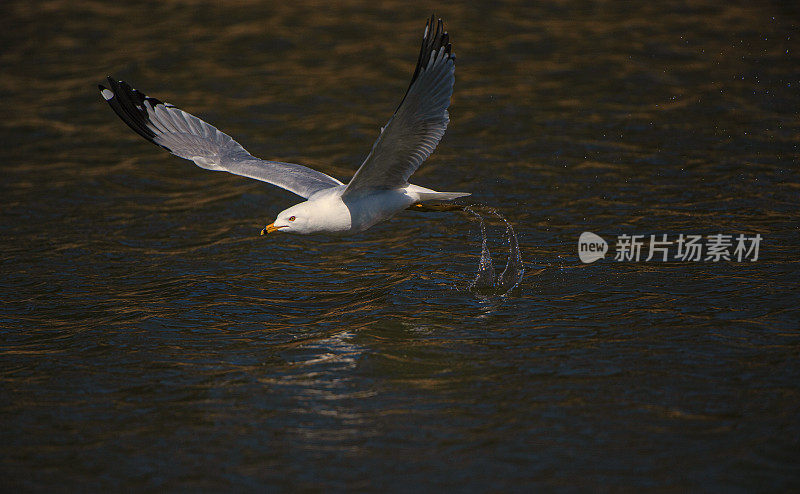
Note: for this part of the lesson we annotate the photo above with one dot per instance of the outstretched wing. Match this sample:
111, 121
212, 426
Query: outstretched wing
189, 137
419, 122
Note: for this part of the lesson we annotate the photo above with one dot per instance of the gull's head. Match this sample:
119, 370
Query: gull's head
327, 214
296, 219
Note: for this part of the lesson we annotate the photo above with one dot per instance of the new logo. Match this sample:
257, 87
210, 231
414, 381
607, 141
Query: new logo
591, 247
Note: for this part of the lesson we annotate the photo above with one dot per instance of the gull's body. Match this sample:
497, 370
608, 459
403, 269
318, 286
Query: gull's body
377, 191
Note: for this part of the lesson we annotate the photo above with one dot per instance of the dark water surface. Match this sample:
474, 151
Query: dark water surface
151, 339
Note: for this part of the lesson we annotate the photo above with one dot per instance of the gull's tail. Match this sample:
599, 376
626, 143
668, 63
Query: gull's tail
432, 195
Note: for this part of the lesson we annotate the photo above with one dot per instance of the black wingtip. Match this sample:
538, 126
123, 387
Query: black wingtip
433, 40
127, 104
106, 93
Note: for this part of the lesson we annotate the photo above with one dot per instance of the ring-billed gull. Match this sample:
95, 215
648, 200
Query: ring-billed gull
378, 190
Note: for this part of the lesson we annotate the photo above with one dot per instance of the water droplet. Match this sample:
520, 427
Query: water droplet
486, 279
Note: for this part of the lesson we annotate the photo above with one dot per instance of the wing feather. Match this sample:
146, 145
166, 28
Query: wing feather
419, 122
189, 137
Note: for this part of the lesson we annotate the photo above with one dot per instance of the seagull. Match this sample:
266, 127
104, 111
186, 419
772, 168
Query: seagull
378, 190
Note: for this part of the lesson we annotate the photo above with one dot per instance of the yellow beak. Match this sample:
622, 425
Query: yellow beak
270, 228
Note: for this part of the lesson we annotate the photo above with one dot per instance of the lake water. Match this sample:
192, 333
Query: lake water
151, 339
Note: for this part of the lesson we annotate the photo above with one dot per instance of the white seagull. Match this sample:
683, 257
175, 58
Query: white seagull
377, 191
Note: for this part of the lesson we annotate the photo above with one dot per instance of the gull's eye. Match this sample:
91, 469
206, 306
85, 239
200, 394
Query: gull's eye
292, 218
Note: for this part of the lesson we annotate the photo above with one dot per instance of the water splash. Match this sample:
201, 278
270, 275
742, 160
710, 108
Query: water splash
515, 270
485, 276
486, 281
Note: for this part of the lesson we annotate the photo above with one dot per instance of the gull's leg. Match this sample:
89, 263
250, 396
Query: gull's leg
443, 206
